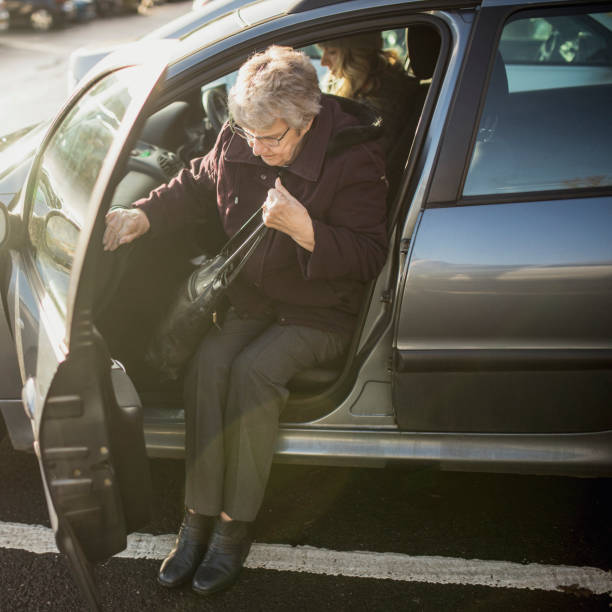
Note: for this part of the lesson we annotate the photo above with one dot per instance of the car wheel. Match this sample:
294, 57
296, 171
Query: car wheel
42, 20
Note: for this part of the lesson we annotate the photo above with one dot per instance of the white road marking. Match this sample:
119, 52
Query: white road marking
390, 566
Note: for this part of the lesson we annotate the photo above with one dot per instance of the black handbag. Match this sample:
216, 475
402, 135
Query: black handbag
194, 310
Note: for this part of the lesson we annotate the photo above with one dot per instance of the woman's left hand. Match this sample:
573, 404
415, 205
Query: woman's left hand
281, 211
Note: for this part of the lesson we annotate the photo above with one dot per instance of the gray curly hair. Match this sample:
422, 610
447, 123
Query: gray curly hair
279, 83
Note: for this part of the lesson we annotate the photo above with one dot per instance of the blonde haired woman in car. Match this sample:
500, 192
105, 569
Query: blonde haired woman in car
360, 69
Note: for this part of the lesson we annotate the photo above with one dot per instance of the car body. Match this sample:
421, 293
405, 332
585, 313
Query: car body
196, 4
42, 15
485, 343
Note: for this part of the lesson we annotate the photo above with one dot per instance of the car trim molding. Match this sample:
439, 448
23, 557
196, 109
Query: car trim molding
520, 359
564, 454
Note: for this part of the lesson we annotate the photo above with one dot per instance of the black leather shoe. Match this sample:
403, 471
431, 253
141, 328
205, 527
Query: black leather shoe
227, 550
180, 565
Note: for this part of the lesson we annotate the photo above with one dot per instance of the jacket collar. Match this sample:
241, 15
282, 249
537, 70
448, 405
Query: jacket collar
309, 161
362, 125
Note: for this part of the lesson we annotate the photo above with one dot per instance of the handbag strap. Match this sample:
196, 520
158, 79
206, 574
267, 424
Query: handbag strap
226, 248
251, 242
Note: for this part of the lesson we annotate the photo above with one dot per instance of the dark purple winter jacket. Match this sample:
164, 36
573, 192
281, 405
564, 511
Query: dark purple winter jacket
339, 176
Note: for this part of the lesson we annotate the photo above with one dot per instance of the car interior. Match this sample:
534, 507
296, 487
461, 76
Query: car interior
146, 273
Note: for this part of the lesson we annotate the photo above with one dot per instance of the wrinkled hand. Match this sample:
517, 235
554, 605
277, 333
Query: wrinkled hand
122, 226
281, 211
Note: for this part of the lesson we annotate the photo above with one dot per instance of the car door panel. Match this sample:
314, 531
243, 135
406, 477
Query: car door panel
504, 320
504, 324
83, 455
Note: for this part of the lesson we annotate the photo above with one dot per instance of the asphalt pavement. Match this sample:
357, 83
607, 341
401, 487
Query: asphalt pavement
528, 521
34, 65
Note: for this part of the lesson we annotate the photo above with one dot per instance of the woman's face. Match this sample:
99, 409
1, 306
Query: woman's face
278, 145
332, 58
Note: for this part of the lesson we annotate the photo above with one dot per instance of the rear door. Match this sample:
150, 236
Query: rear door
505, 323
89, 441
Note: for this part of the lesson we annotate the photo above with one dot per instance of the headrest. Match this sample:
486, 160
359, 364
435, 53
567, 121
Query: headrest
423, 44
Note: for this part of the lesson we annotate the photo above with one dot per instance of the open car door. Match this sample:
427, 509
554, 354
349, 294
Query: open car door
86, 417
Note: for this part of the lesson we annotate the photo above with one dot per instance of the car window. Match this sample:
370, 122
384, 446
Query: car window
391, 40
531, 47
69, 169
546, 121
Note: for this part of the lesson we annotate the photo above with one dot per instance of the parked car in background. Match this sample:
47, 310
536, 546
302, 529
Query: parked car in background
4, 16
111, 7
84, 10
82, 60
485, 344
42, 15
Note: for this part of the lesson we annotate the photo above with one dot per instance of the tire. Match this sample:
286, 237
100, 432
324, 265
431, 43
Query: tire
42, 20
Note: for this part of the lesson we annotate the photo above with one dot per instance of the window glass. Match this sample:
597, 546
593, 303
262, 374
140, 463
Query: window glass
392, 40
582, 41
546, 123
69, 169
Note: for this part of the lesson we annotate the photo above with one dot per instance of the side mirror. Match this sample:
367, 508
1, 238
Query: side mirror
61, 235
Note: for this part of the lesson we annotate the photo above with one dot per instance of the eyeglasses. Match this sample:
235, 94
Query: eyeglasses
268, 141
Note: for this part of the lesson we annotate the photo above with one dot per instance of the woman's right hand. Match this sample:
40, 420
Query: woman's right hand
124, 225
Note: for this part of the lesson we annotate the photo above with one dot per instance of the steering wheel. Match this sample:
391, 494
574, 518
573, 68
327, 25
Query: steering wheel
214, 102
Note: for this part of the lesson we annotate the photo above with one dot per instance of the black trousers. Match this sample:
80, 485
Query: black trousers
235, 390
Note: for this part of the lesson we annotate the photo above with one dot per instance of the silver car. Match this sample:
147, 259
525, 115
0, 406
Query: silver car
485, 343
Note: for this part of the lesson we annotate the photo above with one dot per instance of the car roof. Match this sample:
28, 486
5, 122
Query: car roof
252, 14
219, 21
179, 27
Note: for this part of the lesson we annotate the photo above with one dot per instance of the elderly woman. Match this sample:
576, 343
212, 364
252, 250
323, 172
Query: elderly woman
320, 176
